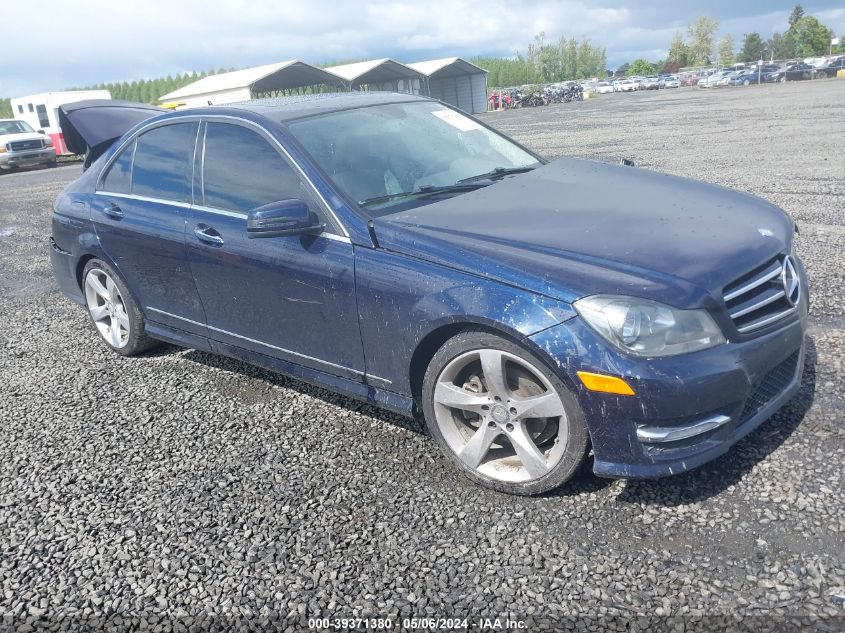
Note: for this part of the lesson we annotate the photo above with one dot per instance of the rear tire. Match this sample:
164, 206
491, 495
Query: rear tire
503, 417
114, 313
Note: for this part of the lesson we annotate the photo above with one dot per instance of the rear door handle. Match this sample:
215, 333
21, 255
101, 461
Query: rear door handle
113, 211
208, 235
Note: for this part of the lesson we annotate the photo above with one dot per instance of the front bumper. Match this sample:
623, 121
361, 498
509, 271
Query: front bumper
28, 157
688, 409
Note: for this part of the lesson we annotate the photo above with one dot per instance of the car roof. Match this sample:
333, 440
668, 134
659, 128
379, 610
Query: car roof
299, 106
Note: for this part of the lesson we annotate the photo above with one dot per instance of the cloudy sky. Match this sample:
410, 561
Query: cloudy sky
89, 41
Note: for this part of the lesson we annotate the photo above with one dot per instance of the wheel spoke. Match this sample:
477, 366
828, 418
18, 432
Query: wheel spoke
450, 395
528, 453
546, 405
473, 453
115, 332
97, 286
493, 367
114, 295
122, 317
99, 313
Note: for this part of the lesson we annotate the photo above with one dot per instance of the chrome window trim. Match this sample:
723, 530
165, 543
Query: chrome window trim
185, 205
257, 342
135, 196
205, 118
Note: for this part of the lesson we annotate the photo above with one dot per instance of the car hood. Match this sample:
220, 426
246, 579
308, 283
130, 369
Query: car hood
21, 136
572, 228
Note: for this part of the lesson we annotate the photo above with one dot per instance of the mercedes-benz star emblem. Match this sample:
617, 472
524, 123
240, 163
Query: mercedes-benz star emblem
790, 280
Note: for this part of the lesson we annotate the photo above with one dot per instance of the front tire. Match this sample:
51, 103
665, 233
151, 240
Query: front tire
114, 313
504, 418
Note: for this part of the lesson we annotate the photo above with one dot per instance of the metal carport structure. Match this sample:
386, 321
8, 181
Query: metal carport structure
455, 81
250, 83
379, 74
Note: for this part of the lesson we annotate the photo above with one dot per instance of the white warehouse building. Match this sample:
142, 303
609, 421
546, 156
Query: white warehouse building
452, 80
456, 82
250, 83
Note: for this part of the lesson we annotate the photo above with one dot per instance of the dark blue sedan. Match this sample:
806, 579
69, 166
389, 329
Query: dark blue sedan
393, 249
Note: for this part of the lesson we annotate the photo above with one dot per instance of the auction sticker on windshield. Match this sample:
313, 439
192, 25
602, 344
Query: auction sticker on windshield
456, 119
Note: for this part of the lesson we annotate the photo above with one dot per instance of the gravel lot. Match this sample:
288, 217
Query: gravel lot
181, 489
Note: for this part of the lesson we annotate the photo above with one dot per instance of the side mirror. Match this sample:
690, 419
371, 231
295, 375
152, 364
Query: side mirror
285, 217
41, 132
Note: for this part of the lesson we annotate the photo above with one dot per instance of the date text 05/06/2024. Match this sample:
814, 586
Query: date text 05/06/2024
417, 624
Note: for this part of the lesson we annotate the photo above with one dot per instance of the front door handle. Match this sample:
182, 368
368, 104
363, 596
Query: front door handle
208, 235
113, 211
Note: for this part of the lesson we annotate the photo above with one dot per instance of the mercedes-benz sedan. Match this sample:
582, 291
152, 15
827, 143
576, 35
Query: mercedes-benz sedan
396, 250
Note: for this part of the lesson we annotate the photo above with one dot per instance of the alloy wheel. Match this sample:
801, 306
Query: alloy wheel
500, 415
107, 309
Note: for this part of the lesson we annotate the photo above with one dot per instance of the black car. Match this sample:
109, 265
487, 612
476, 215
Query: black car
831, 69
795, 72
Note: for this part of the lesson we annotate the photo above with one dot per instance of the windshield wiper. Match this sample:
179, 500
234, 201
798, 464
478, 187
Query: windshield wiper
423, 191
498, 172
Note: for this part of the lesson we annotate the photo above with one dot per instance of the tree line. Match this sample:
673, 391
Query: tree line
805, 37
546, 62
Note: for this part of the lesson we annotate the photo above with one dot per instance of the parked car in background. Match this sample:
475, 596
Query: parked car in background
743, 78
831, 68
727, 77
798, 72
22, 146
670, 82
604, 87
714, 79
650, 83
774, 75
625, 85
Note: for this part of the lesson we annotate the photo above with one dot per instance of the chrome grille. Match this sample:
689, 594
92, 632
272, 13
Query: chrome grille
760, 297
17, 146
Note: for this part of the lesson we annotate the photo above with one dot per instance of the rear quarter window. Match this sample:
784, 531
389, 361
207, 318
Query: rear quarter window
119, 175
163, 162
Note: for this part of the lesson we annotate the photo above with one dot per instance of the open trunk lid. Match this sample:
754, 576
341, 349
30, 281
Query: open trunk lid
90, 127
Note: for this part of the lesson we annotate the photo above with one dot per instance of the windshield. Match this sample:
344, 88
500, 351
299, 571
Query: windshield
377, 154
14, 127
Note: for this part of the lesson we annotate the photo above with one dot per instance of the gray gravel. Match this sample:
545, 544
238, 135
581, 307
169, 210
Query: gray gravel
181, 489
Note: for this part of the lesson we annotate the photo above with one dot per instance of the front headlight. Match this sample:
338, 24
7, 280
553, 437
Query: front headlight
48, 142
3, 149
649, 328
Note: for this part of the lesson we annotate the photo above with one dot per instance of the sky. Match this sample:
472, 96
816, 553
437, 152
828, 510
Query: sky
91, 41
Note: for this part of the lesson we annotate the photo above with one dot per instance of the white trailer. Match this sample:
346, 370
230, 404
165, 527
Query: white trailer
41, 111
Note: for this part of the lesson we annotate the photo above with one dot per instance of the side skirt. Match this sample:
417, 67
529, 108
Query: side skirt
397, 403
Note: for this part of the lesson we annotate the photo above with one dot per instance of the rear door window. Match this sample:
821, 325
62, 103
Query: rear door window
118, 177
242, 171
164, 161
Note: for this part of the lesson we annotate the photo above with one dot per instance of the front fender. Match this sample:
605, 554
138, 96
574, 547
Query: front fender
402, 301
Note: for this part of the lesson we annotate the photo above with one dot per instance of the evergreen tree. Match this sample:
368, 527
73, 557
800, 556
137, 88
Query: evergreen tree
753, 48
797, 14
